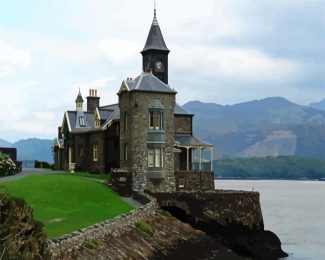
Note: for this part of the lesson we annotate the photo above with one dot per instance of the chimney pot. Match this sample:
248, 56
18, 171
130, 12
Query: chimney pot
95, 92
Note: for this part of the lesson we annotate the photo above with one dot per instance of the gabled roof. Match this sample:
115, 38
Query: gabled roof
107, 114
146, 82
58, 142
155, 40
179, 110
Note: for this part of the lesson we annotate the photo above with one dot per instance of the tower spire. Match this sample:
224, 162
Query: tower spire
154, 10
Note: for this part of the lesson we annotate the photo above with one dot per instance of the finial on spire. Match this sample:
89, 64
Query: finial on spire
154, 11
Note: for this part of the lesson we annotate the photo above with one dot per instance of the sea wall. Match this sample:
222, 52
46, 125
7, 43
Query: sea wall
223, 222
222, 206
115, 226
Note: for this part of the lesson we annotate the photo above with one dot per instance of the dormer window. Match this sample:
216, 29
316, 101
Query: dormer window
82, 121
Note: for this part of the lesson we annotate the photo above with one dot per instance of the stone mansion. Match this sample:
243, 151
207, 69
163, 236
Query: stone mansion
147, 133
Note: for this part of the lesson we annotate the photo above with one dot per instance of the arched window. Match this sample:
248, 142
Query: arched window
126, 152
95, 152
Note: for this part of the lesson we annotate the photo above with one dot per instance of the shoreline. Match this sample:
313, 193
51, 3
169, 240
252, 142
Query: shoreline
267, 179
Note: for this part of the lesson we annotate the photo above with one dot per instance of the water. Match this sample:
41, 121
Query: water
294, 210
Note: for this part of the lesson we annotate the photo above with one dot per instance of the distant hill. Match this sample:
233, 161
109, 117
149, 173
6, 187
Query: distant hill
318, 105
4, 143
268, 127
32, 149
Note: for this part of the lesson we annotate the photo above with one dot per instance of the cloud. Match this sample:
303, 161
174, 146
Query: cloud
236, 64
6, 70
11, 58
119, 50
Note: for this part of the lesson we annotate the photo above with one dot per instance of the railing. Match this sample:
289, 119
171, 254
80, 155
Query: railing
205, 166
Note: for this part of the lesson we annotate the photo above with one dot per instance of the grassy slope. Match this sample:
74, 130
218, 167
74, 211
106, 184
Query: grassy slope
67, 203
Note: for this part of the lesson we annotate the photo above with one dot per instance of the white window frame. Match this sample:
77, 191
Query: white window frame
82, 122
155, 124
95, 152
151, 158
155, 157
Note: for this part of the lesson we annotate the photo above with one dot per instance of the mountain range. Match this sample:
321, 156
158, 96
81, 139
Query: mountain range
318, 105
268, 127
32, 149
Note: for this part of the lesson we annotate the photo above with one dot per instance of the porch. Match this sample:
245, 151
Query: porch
193, 163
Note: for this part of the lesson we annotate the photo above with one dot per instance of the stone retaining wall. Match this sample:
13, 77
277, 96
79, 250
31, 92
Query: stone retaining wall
222, 206
117, 225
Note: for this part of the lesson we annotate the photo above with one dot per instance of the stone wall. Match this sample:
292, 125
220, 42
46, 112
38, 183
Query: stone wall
221, 206
183, 124
194, 181
117, 225
135, 137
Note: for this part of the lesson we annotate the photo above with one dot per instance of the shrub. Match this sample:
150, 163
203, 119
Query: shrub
7, 166
21, 237
145, 227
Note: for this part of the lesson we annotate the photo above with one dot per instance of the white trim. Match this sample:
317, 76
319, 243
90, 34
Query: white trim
139, 81
124, 86
96, 113
108, 124
66, 117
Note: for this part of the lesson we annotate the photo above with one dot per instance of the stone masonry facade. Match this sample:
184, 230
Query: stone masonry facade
135, 138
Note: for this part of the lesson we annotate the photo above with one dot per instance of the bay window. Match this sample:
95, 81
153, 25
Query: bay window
155, 157
156, 120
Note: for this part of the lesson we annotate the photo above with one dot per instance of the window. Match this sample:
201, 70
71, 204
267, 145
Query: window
126, 152
81, 150
181, 182
156, 120
82, 121
95, 153
151, 157
125, 121
155, 158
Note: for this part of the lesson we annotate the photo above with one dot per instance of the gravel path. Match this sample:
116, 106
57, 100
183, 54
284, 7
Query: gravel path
27, 172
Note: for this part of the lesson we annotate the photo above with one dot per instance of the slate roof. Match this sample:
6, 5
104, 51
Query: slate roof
104, 113
189, 140
79, 98
148, 82
107, 114
155, 40
116, 111
179, 110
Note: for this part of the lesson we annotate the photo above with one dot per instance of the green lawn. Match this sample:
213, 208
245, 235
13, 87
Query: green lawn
65, 203
100, 176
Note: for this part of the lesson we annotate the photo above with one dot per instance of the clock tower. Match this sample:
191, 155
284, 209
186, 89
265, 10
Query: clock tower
155, 52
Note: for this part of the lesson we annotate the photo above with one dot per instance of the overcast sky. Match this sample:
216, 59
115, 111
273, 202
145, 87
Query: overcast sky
221, 51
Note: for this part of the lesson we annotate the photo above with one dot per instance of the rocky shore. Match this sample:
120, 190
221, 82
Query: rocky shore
170, 239
209, 225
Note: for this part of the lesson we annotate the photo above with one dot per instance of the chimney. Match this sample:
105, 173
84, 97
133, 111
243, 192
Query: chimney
92, 101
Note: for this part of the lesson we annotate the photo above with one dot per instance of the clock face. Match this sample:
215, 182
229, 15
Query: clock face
159, 66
